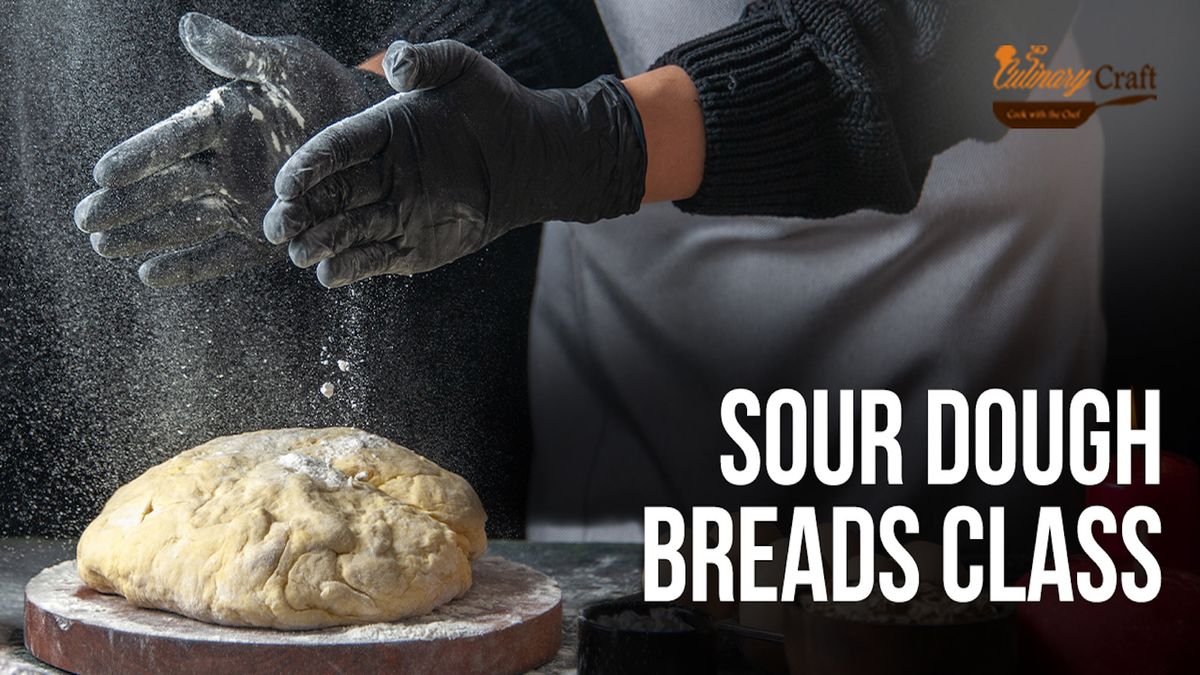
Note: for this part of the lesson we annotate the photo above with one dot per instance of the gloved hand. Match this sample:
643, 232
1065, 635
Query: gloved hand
463, 154
201, 180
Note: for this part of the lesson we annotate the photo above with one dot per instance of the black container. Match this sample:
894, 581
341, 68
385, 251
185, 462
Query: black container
605, 650
818, 644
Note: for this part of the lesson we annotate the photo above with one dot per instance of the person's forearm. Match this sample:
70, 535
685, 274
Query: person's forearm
374, 64
669, 107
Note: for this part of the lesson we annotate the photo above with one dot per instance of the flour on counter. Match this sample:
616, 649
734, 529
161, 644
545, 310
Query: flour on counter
503, 594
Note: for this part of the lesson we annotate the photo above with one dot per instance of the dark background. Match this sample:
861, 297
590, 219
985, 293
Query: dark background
1151, 190
467, 406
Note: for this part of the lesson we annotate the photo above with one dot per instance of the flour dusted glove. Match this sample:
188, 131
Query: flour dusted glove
462, 155
193, 188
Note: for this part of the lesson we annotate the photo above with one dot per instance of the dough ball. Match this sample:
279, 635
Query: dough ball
291, 529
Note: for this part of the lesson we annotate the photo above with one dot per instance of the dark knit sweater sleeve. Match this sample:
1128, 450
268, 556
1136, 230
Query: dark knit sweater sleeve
540, 43
816, 108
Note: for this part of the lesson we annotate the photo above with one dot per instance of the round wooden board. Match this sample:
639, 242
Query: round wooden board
509, 622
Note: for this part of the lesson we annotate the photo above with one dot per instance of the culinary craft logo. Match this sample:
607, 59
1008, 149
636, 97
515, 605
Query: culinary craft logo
1029, 73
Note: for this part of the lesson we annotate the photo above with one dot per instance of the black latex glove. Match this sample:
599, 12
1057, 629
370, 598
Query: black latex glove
462, 155
192, 189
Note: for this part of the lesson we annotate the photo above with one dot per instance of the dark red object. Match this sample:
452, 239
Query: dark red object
1114, 637
1176, 499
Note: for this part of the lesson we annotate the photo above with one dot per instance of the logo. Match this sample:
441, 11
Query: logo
1029, 74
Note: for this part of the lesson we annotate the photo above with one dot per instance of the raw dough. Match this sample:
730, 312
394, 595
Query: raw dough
292, 529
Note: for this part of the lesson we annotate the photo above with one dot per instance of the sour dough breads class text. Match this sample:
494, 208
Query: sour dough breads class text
1050, 565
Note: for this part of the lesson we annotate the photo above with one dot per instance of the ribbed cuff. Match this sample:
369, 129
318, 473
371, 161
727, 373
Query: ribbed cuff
761, 110
805, 112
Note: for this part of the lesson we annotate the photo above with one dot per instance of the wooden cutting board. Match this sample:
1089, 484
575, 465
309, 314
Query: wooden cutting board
509, 622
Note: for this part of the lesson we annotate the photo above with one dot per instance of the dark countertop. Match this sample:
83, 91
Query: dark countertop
586, 573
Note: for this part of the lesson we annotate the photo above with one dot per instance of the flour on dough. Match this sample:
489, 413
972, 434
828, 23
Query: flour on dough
291, 529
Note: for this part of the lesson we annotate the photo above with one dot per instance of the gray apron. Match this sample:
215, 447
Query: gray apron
642, 323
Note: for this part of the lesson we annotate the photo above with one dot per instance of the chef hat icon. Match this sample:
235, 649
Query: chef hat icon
1005, 54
